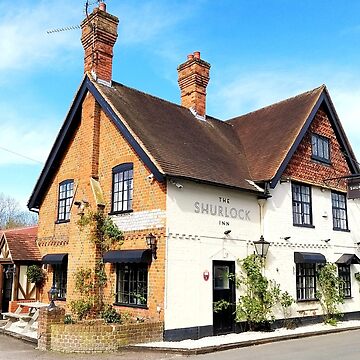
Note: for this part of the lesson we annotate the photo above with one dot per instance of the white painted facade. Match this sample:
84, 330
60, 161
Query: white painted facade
195, 238
278, 223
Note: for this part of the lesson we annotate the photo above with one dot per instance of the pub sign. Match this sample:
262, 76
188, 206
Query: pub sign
354, 188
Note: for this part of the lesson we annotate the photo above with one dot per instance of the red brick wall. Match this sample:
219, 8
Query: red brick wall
96, 147
301, 167
193, 78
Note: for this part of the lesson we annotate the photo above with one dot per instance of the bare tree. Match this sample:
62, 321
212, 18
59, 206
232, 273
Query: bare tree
11, 214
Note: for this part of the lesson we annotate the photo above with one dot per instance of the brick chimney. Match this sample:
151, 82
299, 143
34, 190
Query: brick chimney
99, 34
193, 79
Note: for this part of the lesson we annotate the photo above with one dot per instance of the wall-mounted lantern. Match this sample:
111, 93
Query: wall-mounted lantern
10, 272
151, 242
261, 247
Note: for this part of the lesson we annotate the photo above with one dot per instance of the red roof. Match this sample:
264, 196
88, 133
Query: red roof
22, 244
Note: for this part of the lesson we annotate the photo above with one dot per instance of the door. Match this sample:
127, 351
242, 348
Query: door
224, 289
7, 287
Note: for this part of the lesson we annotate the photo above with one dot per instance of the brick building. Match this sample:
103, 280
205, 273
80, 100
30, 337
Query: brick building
203, 188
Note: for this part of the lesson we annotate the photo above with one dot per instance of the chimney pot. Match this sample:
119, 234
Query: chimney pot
197, 54
190, 56
102, 6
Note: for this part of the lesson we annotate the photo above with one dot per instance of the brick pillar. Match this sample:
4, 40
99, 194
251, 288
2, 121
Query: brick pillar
47, 318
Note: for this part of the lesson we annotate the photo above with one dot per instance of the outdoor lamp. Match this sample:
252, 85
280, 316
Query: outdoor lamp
261, 247
9, 272
52, 296
151, 243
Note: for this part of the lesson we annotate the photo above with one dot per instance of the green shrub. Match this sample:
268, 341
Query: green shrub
110, 315
68, 319
259, 294
35, 274
81, 307
330, 292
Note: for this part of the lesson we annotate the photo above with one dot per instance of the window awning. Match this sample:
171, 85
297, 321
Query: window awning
347, 259
309, 258
128, 256
54, 259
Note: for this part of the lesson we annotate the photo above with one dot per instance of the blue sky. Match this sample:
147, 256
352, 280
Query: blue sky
260, 52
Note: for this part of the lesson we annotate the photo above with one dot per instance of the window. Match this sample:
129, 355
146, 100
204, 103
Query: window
320, 146
344, 275
305, 281
60, 279
66, 193
339, 212
301, 197
132, 284
122, 188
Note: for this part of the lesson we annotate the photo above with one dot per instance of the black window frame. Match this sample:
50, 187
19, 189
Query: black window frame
340, 223
132, 285
318, 145
122, 177
306, 281
296, 203
344, 273
60, 279
65, 199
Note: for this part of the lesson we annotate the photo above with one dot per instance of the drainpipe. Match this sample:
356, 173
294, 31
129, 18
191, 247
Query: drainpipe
262, 201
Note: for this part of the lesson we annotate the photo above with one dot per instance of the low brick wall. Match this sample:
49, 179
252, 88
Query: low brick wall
99, 337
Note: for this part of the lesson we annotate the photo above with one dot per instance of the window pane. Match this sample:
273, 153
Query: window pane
132, 284
305, 281
122, 189
301, 204
221, 277
320, 147
66, 193
339, 211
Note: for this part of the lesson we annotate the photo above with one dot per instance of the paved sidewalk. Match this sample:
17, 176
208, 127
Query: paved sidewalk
171, 350
231, 341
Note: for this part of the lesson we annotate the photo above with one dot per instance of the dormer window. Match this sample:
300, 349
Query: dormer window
66, 193
320, 146
122, 188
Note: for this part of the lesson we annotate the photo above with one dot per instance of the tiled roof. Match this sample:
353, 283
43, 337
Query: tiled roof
22, 244
172, 142
268, 133
181, 145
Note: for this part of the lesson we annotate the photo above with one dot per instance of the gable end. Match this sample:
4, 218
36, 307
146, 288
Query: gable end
65, 135
339, 132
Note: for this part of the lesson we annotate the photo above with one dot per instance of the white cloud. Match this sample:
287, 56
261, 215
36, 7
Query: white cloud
24, 42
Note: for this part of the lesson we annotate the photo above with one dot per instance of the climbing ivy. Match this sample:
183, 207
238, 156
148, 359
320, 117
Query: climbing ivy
330, 292
90, 283
260, 295
103, 231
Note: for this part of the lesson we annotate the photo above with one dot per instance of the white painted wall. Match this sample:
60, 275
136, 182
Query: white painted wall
195, 238
279, 223
23, 282
140, 220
